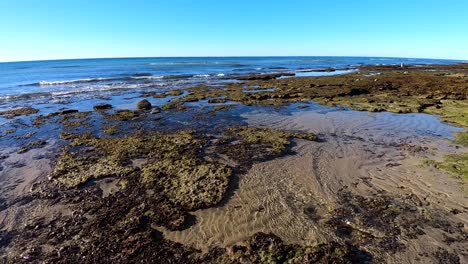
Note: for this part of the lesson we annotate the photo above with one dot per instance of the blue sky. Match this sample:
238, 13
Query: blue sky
58, 29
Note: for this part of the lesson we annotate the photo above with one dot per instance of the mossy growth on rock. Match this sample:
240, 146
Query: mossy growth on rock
174, 93
452, 111
101, 107
188, 182
111, 129
72, 171
123, 115
455, 164
378, 103
32, 145
461, 138
18, 112
174, 165
143, 105
278, 140
75, 119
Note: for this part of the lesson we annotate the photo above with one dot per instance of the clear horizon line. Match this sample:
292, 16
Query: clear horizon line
240, 56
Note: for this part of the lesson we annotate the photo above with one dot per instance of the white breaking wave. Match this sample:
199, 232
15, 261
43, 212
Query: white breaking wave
147, 77
202, 75
306, 70
48, 83
102, 88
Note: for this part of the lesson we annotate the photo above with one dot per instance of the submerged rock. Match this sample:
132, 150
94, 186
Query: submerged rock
32, 145
18, 112
63, 112
217, 100
144, 105
102, 107
124, 115
265, 76
175, 93
156, 110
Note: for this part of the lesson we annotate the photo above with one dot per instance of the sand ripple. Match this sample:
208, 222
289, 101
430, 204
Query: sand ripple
292, 196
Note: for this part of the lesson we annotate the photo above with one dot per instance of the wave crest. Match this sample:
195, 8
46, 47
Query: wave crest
87, 80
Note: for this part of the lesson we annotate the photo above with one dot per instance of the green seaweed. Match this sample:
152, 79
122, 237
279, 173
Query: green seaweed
452, 111
455, 164
73, 171
189, 182
32, 145
123, 115
18, 112
111, 129
461, 138
278, 140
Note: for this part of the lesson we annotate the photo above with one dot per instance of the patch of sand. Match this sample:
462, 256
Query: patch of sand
365, 153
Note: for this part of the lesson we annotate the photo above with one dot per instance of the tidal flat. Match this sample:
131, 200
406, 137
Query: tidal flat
366, 166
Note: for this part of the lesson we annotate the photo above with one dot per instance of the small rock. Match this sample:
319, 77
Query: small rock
144, 105
217, 100
155, 110
64, 112
388, 165
102, 107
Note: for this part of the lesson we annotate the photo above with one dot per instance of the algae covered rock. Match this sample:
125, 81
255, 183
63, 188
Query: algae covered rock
63, 112
73, 171
217, 100
461, 138
18, 112
156, 110
190, 183
278, 140
174, 93
143, 105
455, 164
453, 111
32, 145
100, 107
268, 248
124, 115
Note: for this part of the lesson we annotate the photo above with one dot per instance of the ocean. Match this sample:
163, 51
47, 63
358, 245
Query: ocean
59, 81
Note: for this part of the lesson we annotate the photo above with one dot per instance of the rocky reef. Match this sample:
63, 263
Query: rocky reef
123, 177
159, 179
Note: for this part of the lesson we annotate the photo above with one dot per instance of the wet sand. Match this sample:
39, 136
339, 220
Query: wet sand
363, 153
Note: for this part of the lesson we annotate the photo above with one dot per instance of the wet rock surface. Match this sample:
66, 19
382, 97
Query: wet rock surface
102, 107
18, 112
143, 105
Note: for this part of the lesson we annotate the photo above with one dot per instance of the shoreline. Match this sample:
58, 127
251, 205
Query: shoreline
93, 167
